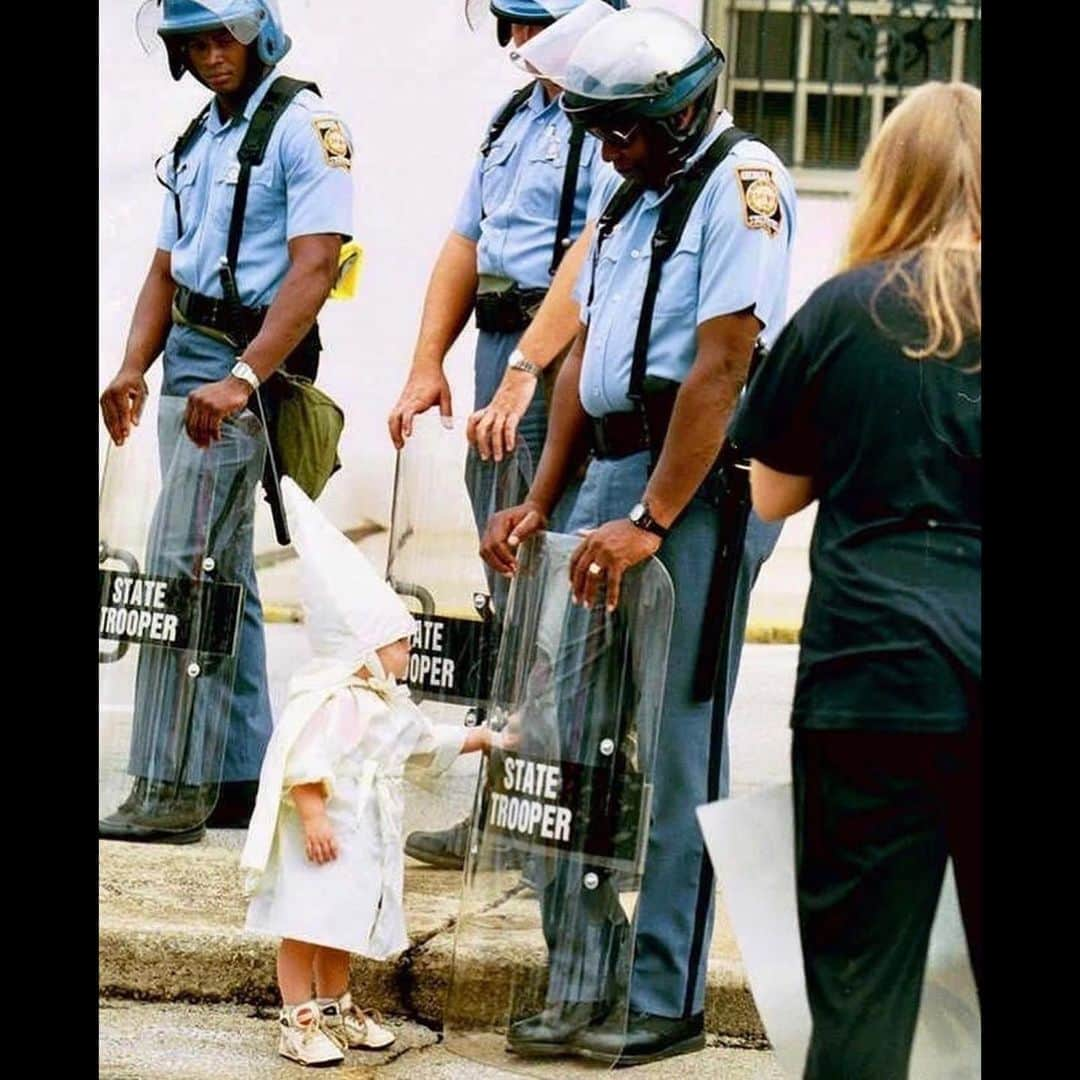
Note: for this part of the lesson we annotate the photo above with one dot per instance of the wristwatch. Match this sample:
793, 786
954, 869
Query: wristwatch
641, 517
518, 362
243, 371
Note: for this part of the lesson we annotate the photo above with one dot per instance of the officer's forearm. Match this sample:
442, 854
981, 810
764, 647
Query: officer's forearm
153, 315
702, 410
567, 436
558, 319
313, 263
449, 301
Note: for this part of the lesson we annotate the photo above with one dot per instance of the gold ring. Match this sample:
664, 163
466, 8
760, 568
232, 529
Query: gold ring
595, 569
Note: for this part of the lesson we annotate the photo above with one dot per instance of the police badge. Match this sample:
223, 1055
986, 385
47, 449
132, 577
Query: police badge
335, 143
761, 200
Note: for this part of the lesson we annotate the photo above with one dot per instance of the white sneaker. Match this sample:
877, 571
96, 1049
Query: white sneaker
352, 1028
303, 1039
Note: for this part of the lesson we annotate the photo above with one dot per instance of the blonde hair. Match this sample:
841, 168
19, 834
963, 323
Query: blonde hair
921, 194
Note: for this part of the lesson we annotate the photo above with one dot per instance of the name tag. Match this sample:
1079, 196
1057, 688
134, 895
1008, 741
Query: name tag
231, 174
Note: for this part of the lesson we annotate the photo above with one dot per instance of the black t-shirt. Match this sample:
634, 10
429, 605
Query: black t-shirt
891, 636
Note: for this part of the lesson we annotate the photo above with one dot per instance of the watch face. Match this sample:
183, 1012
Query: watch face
637, 513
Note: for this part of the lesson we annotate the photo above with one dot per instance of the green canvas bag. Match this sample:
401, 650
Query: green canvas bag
305, 431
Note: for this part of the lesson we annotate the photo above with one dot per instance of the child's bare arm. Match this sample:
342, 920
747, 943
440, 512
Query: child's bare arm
319, 839
482, 738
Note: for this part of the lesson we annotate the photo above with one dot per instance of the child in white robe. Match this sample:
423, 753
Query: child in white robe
323, 858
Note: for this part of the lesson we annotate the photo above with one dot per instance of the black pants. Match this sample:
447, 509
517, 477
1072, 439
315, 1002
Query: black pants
876, 816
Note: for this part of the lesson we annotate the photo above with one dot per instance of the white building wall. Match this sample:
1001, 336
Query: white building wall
416, 88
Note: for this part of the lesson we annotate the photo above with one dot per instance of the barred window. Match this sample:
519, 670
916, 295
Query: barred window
816, 78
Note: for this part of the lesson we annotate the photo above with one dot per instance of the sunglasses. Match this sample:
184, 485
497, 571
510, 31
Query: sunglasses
613, 135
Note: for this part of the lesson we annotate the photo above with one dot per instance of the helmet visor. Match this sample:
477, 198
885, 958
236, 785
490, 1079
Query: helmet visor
639, 54
242, 20
548, 53
481, 15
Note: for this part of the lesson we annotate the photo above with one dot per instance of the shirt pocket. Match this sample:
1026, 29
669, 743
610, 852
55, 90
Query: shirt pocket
263, 202
544, 171
678, 292
496, 176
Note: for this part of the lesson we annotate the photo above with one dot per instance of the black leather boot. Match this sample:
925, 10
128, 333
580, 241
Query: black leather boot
445, 849
551, 1033
646, 1038
158, 813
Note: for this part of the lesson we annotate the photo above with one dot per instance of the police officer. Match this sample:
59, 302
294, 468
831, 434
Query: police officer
503, 252
298, 211
644, 82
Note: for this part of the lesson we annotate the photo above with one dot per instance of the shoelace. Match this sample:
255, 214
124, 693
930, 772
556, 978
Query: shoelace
307, 1030
363, 1016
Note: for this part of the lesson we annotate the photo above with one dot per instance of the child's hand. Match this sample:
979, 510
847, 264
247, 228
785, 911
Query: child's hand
319, 842
507, 739
510, 736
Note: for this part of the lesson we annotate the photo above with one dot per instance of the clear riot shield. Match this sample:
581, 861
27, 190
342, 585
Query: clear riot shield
174, 530
443, 496
576, 701
751, 841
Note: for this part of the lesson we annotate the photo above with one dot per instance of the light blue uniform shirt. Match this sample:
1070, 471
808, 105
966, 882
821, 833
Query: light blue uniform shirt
511, 206
728, 259
302, 187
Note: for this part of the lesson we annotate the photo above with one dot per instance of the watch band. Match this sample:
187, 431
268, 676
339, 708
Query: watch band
244, 371
642, 519
518, 362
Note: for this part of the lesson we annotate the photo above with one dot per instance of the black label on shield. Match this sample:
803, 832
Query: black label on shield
169, 613
451, 659
566, 806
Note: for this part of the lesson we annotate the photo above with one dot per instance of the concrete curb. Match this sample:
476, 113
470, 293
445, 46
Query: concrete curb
170, 929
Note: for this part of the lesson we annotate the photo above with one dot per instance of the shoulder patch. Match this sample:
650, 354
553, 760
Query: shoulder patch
334, 142
761, 199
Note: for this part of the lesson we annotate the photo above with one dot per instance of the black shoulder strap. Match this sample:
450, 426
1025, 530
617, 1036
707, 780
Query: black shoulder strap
498, 125
567, 197
178, 150
673, 216
253, 148
626, 194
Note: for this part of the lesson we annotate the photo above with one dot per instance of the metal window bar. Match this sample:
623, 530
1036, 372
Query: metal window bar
759, 113
864, 38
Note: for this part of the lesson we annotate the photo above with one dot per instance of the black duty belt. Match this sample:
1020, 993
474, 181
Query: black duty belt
509, 311
212, 312
620, 434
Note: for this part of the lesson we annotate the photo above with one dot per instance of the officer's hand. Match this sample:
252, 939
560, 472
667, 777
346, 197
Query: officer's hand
423, 389
208, 406
493, 429
505, 530
614, 548
122, 404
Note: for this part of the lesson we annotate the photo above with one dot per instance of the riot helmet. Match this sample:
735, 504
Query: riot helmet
523, 12
642, 64
256, 22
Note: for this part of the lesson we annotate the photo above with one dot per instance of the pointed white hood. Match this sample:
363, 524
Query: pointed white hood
350, 611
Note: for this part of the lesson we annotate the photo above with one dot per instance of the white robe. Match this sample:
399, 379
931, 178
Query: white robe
358, 738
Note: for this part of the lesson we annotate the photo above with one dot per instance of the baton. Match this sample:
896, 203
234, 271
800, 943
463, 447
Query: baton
733, 512
271, 482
